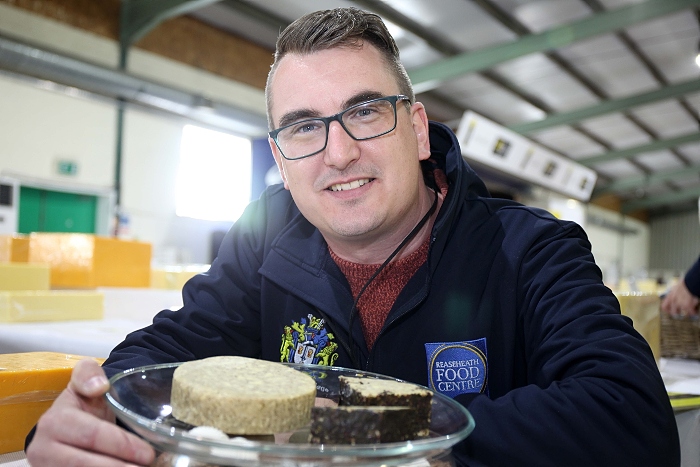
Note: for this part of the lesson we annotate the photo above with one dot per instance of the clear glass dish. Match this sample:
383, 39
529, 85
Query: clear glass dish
140, 398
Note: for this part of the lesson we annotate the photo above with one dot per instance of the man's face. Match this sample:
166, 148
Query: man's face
382, 184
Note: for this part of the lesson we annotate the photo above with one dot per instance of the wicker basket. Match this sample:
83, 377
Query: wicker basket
680, 337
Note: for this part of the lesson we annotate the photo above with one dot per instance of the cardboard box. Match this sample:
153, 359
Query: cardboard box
24, 276
89, 261
50, 305
29, 383
645, 311
14, 248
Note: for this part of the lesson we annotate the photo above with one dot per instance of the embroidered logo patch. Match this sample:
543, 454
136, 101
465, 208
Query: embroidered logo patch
308, 342
458, 367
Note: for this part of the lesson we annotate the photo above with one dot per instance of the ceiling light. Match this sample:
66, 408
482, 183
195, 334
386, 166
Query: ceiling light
697, 57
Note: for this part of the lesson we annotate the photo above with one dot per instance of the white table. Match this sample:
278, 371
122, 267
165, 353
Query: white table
684, 376
14, 459
125, 310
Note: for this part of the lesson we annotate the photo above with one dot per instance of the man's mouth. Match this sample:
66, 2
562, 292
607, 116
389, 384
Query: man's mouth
350, 185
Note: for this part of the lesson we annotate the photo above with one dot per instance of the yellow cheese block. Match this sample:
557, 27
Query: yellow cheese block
24, 276
50, 305
89, 261
29, 383
174, 277
14, 248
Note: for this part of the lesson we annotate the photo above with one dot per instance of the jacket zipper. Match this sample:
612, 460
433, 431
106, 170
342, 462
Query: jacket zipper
388, 324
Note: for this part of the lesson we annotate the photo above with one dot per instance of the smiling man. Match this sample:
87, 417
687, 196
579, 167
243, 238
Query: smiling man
383, 251
364, 192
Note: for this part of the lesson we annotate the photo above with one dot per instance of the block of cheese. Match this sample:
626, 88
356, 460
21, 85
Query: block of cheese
29, 382
242, 396
174, 277
50, 305
89, 261
14, 248
365, 391
645, 311
363, 425
24, 276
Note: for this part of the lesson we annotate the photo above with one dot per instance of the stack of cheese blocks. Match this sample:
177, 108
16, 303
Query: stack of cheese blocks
29, 383
34, 267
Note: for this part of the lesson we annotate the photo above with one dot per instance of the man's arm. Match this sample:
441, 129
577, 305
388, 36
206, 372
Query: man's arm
218, 317
220, 313
594, 395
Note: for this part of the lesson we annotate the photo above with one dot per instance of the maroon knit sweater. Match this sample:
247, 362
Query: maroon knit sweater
377, 300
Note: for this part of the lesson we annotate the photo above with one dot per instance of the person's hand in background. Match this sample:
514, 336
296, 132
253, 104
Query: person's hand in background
679, 301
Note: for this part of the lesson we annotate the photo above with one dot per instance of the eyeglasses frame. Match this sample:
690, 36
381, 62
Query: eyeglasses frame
393, 100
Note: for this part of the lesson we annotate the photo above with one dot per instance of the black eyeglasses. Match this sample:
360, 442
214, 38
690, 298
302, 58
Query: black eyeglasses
362, 121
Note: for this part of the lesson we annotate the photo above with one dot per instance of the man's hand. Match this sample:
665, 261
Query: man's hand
679, 301
79, 428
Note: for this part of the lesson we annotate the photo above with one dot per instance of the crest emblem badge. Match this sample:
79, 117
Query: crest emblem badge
308, 342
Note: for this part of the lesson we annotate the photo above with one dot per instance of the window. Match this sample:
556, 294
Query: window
214, 176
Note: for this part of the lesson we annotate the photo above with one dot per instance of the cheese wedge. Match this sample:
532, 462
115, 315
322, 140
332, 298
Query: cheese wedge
242, 396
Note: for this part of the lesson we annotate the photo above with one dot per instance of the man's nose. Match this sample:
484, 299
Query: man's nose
341, 148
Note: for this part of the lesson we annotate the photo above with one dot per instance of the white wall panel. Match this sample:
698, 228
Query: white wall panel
38, 127
675, 242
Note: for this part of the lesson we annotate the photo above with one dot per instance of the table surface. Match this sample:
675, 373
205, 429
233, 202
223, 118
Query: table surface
125, 310
14, 459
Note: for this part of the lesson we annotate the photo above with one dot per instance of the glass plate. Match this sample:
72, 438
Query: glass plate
141, 400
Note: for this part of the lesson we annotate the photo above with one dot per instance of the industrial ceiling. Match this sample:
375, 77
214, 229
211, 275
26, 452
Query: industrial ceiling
610, 84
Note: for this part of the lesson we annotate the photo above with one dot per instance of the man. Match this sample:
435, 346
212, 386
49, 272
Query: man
387, 245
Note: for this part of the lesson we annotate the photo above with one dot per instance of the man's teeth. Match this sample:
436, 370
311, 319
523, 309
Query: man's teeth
349, 186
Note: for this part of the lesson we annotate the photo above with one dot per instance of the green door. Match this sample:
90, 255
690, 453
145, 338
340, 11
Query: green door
55, 211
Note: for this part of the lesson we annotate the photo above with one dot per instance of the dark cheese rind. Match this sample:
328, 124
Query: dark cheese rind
379, 392
363, 425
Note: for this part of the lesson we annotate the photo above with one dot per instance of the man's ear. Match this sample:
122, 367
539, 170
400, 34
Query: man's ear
278, 160
419, 119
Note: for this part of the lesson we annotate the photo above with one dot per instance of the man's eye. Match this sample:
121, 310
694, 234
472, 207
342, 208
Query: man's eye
364, 111
305, 128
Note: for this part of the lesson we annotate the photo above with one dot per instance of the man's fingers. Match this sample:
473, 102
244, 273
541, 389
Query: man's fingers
68, 455
89, 433
88, 379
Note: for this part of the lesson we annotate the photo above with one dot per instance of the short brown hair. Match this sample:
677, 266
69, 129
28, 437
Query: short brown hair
340, 27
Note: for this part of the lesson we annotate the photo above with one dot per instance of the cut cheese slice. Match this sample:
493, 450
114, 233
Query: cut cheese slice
365, 391
242, 396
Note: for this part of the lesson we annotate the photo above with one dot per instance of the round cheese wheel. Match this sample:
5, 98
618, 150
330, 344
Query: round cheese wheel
242, 396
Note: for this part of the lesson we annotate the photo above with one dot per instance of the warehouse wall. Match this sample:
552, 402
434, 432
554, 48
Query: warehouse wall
675, 241
620, 244
40, 126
